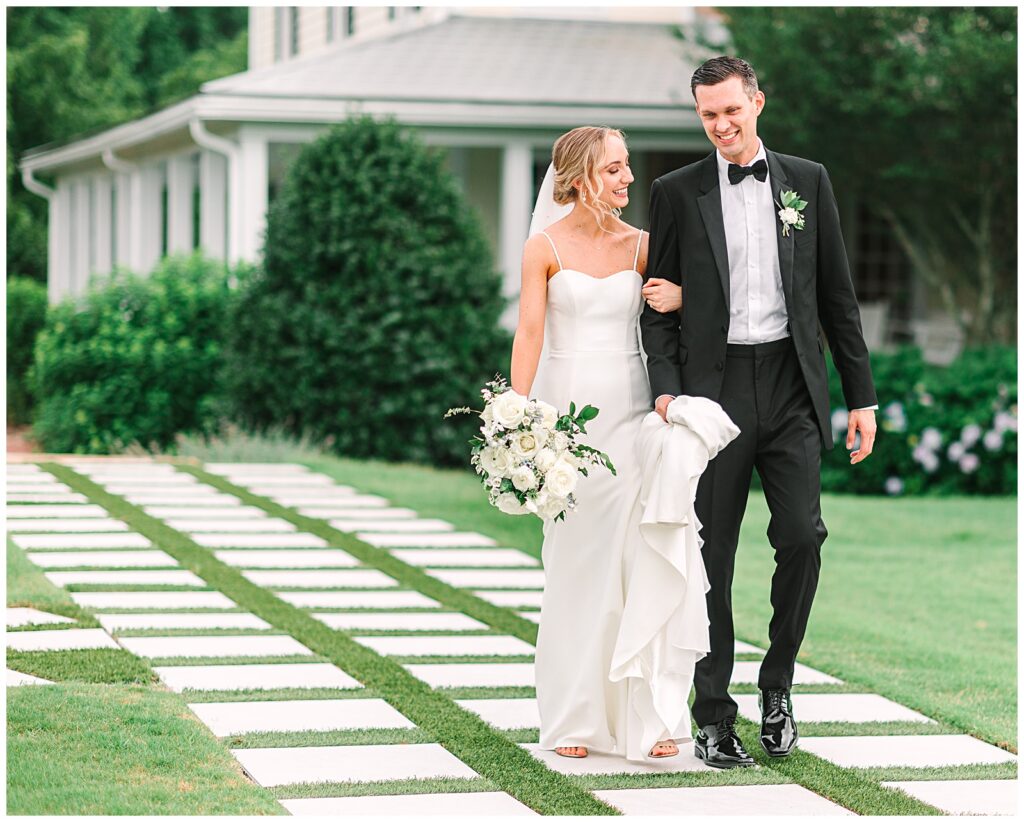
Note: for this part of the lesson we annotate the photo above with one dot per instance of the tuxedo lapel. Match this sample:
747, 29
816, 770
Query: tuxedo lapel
779, 181
710, 204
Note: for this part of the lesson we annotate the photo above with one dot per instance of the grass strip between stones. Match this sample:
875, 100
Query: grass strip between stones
461, 732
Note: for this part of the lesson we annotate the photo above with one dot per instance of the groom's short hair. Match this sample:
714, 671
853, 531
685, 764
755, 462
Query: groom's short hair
719, 69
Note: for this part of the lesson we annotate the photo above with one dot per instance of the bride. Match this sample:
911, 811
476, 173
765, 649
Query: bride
582, 280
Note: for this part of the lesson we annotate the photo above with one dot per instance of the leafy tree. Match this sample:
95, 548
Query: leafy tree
914, 111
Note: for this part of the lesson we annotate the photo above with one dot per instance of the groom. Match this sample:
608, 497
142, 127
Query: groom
755, 287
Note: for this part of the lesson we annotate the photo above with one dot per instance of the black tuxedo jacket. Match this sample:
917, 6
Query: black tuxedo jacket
686, 349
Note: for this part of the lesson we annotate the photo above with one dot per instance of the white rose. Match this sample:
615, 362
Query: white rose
523, 478
549, 414
496, 461
559, 441
789, 215
487, 415
561, 479
508, 504
508, 408
541, 434
524, 444
551, 508
545, 459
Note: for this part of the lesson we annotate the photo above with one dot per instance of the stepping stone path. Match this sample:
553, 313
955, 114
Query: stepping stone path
74, 542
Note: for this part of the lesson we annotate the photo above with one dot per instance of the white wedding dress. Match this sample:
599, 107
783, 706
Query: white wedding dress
623, 618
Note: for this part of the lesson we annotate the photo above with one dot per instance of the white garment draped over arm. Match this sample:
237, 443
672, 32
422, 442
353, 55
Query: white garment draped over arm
664, 629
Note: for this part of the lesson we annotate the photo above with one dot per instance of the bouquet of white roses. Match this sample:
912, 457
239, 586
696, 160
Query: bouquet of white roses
527, 454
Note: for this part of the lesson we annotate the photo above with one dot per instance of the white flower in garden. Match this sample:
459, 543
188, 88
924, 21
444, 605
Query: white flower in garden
840, 423
926, 400
524, 444
523, 478
545, 459
508, 408
993, 440
508, 504
969, 463
926, 457
561, 479
931, 438
970, 435
497, 462
1004, 422
895, 416
955, 451
894, 486
548, 414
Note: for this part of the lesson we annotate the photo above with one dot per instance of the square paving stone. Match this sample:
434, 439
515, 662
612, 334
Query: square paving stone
71, 639
440, 557
198, 499
355, 578
724, 800
474, 674
965, 797
358, 599
155, 600
601, 763
293, 540
44, 496
530, 578
43, 542
157, 482
264, 525
271, 767
240, 467
102, 559
328, 511
299, 558
512, 599
746, 673
17, 678
178, 577
229, 718
325, 497
61, 511
446, 645
19, 617
35, 485
317, 490
128, 622
402, 621
454, 539
243, 512
837, 708
254, 677
201, 646
67, 525
482, 804
396, 526
505, 714
533, 616
935, 751
294, 479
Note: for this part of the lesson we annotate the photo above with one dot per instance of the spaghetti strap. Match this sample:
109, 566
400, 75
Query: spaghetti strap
557, 258
639, 242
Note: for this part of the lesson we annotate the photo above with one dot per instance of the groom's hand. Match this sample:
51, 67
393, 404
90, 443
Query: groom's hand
864, 422
661, 405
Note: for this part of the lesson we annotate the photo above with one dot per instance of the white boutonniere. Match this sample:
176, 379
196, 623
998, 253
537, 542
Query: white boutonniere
789, 211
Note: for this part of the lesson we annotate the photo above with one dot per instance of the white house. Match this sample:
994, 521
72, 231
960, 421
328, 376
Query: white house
493, 86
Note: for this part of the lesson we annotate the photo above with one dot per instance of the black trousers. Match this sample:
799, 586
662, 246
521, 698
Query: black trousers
765, 394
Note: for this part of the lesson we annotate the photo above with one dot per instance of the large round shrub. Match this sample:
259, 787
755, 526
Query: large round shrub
26, 315
134, 361
377, 305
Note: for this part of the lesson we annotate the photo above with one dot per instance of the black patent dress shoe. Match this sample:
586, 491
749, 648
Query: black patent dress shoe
720, 747
778, 728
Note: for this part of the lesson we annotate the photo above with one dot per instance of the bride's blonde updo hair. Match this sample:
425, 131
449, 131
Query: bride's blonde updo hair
576, 156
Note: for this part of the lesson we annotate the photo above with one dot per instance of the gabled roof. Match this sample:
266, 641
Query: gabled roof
491, 60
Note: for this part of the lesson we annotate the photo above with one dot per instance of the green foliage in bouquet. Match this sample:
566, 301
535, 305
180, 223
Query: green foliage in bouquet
377, 305
26, 315
134, 361
941, 430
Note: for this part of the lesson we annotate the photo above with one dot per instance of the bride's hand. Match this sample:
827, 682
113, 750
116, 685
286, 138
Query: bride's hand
663, 296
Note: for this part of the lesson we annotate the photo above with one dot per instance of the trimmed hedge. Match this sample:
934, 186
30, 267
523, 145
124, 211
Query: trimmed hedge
26, 315
134, 361
377, 305
941, 430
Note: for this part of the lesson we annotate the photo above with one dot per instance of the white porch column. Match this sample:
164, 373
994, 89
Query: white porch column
180, 180
213, 190
102, 223
252, 211
80, 236
514, 220
58, 271
147, 217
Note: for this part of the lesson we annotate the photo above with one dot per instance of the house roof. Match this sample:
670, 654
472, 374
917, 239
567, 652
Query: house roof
495, 72
481, 59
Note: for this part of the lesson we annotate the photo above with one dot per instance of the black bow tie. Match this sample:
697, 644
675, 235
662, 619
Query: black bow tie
758, 169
